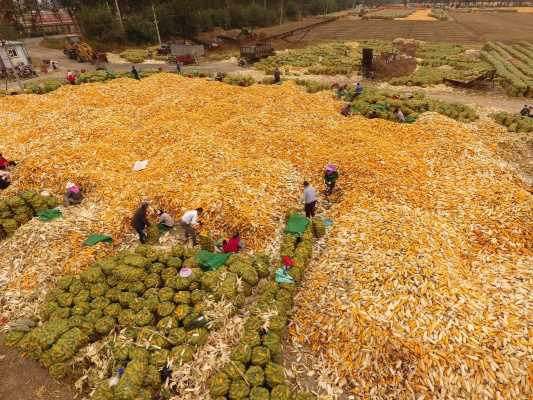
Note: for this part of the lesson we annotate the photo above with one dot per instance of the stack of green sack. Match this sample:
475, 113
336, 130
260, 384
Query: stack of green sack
255, 370
18, 210
142, 295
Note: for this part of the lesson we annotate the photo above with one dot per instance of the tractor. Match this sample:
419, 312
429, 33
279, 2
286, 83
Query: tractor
81, 51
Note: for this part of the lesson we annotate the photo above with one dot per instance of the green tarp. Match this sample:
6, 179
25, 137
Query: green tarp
296, 224
211, 261
97, 238
50, 215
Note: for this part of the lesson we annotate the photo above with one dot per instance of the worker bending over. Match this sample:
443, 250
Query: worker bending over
135, 73
166, 222
233, 244
309, 200
73, 195
525, 112
358, 90
140, 221
188, 222
277, 75
330, 178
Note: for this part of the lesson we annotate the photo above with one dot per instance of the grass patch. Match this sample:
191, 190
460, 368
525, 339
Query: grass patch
388, 14
135, 56
513, 122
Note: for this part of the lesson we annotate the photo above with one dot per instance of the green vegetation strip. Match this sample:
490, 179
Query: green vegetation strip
514, 122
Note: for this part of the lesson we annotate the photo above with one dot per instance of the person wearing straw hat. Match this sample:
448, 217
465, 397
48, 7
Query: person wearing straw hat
73, 195
330, 178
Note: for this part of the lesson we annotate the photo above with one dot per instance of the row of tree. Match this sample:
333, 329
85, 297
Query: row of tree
114, 21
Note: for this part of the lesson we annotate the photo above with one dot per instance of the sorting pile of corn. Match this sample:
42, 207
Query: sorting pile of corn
423, 290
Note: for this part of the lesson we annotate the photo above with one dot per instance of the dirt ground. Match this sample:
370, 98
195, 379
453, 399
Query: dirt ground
24, 379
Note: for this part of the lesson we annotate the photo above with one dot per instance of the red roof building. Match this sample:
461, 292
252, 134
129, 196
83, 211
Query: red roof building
49, 22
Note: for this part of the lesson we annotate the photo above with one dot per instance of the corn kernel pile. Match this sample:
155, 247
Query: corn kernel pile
424, 290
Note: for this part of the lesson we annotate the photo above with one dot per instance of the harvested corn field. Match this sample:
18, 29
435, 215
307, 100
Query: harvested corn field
423, 289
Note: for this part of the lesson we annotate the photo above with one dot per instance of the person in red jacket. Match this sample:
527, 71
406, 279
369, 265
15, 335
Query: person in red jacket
4, 163
233, 245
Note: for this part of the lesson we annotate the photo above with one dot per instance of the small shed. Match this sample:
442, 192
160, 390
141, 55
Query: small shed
195, 50
13, 51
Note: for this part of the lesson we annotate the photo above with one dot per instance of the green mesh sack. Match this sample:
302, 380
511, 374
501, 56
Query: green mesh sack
166, 294
126, 318
242, 352
151, 303
234, 369
182, 354
60, 313
113, 310
159, 358
65, 299
219, 385
121, 353
272, 341
255, 375
190, 263
169, 273
177, 336
274, 374
296, 273
83, 296
76, 321
136, 261
121, 285
183, 283
152, 280
165, 309
305, 396
277, 324
126, 390
144, 317
163, 257
182, 297
81, 309
99, 303
88, 329
228, 287
92, 275
104, 325
178, 250
280, 392
174, 262
156, 268
139, 354
67, 345
103, 392
210, 280
125, 298
197, 296
259, 393
260, 355
98, 289
143, 249
13, 337
253, 324
137, 288
152, 377
130, 333
166, 324
194, 286
182, 311
75, 287
58, 371
245, 289
197, 337
107, 265
248, 273
251, 338
151, 292
113, 294
137, 304
63, 283
127, 273
238, 389
94, 315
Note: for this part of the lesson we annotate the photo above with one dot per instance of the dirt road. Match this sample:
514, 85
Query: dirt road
24, 379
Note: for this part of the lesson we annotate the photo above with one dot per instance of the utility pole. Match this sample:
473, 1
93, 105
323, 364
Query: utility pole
119, 15
156, 23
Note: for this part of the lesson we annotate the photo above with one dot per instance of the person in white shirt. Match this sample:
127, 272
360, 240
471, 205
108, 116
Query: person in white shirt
188, 221
309, 200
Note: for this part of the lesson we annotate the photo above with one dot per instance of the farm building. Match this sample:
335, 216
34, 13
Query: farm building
13, 53
48, 22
